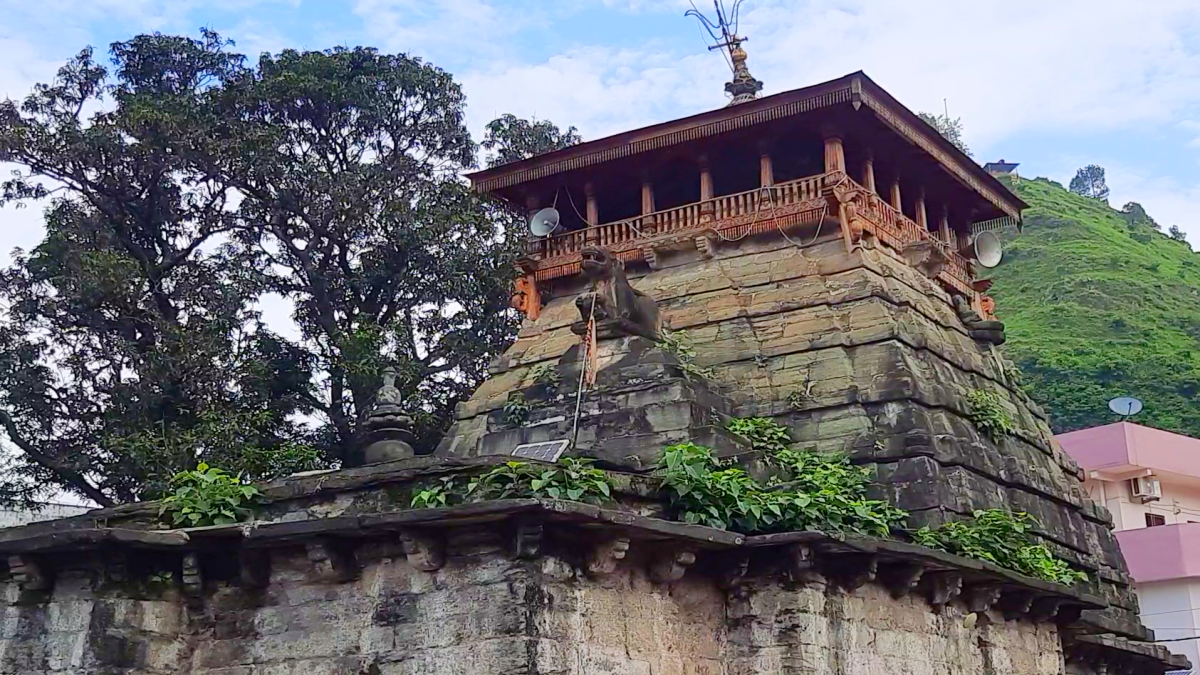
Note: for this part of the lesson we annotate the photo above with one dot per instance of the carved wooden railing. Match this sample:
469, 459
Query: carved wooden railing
724, 209
897, 231
742, 214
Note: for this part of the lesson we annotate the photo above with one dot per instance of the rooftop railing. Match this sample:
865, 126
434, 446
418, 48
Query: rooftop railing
735, 216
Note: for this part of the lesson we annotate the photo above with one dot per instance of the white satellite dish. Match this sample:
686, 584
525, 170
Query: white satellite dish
988, 250
544, 222
1125, 406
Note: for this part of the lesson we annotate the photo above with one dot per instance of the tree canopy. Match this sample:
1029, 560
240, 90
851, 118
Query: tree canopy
1089, 182
509, 138
183, 187
949, 127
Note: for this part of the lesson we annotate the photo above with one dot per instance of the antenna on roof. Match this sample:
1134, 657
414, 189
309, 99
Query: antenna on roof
723, 30
1125, 406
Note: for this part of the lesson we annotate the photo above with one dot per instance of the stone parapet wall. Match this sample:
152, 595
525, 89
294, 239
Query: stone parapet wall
540, 608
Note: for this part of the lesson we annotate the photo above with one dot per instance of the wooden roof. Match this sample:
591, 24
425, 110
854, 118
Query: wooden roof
856, 89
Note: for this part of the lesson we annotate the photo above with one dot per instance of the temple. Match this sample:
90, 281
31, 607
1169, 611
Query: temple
803, 258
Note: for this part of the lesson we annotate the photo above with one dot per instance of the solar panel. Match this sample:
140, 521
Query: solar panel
548, 451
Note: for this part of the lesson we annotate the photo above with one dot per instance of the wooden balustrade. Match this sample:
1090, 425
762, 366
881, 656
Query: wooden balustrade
680, 218
892, 227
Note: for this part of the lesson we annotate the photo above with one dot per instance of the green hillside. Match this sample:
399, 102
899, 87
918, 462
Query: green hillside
1097, 306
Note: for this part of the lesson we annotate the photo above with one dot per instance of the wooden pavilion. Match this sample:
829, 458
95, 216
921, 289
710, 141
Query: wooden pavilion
842, 154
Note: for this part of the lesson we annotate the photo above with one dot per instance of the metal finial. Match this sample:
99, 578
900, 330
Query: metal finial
723, 31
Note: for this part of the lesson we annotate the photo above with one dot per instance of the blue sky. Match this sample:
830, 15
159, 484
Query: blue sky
1053, 85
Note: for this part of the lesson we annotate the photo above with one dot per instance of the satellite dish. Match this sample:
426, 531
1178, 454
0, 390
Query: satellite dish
544, 222
988, 250
1125, 406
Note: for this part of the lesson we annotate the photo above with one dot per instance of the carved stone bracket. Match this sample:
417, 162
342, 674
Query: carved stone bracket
254, 568
1068, 614
528, 538
193, 579
901, 578
1016, 603
927, 257
425, 552
853, 570
330, 562
734, 573
605, 556
802, 565
670, 565
706, 245
1045, 609
943, 587
30, 572
981, 597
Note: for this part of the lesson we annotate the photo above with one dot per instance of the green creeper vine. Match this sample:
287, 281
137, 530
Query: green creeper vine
988, 414
1000, 537
680, 346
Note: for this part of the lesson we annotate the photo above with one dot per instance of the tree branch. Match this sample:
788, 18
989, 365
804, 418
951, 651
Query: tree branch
69, 475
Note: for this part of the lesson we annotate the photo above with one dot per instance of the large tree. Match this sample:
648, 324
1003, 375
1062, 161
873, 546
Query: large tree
509, 138
130, 344
1089, 182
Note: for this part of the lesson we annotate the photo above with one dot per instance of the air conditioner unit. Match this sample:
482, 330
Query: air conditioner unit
1145, 489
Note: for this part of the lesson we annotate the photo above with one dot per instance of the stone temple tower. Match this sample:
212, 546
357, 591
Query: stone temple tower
804, 257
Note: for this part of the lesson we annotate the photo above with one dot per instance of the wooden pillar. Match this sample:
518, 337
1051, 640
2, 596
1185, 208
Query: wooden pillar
919, 211
707, 208
706, 181
835, 155
894, 196
944, 224
593, 213
868, 174
647, 195
766, 173
648, 225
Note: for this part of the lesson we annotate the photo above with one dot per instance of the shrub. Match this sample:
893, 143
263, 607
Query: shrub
827, 494
1003, 538
572, 478
208, 496
516, 410
988, 415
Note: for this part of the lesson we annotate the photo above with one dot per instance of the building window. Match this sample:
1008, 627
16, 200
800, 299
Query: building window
1154, 520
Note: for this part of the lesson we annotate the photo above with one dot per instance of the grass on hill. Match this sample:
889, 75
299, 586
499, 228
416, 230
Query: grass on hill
1096, 307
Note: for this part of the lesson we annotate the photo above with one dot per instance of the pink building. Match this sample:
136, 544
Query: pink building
1150, 481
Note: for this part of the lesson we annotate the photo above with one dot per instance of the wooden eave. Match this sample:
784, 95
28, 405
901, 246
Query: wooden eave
855, 88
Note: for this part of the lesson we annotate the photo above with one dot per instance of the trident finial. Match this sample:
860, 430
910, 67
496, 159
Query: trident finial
723, 31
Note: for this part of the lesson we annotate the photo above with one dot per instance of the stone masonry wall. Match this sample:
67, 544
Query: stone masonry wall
488, 613
858, 353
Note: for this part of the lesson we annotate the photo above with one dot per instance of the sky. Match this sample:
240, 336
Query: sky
1052, 85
